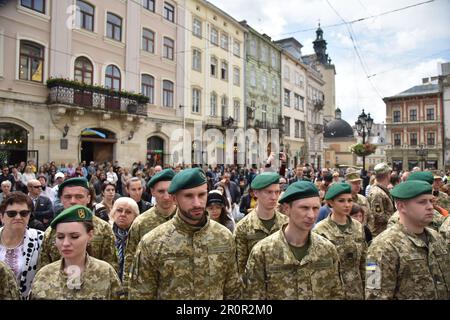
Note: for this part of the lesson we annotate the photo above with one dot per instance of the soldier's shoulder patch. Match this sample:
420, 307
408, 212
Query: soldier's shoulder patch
373, 276
377, 207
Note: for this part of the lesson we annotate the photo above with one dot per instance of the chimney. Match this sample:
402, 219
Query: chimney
425, 80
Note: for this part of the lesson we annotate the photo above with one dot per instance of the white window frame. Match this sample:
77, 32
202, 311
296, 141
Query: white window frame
236, 76
46, 58
196, 100
197, 29
196, 60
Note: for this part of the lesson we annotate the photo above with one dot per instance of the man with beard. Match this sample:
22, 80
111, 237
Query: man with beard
190, 256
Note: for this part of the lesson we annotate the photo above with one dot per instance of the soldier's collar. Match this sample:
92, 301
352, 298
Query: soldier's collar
184, 226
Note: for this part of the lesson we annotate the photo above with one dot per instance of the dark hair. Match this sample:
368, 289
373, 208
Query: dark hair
108, 183
355, 209
88, 225
16, 197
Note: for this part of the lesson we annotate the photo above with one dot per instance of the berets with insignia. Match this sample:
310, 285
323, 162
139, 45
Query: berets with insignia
353, 177
337, 189
73, 182
411, 189
164, 175
187, 179
299, 190
382, 168
264, 180
421, 176
77, 213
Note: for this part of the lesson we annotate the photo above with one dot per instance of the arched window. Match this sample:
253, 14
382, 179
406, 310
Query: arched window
148, 87
31, 65
112, 78
83, 70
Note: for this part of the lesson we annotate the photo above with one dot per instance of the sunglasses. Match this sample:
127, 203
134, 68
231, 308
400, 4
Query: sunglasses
23, 213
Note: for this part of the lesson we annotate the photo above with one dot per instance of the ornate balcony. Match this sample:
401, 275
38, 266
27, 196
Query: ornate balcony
72, 93
318, 104
319, 128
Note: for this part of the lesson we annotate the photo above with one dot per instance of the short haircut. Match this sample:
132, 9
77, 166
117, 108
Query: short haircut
6, 182
127, 201
108, 183
134, 179
356, 208
16, 197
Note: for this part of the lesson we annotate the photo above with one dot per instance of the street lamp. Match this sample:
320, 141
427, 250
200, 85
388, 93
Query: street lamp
363, 126
422, 153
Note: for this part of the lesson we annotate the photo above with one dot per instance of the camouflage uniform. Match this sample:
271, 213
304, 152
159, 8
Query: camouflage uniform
179, 261
351, 247
99, 281
8, 288
363, 203
443, 200
273, 272
445, 231
249, 231
381, 209
102, 245
435, 224
400, 265
144, 223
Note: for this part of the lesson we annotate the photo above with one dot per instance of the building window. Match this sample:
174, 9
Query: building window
430, 114
253, 77
264, 82
413, 139
213, 108
264, 53
287, 98
196, 60
36, 5
148, 87
237, 110
302, 103
224, 71
397, 116
168, 48
274, 59
224, 41
297, 129
149, 5
31, 65
397, 139
274, 87
431, 138
148, 40
114, 27
253, 47
113, 78
224, 107
287, 126
85, 15
83, 72
264, 114
167, 93
236, 76
286, 73
169, 12
214, 37
214, 67
236, 48
413, 115
296, 101
196, 98
197, 28
302, 129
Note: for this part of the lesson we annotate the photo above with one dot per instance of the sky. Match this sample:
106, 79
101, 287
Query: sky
393, 53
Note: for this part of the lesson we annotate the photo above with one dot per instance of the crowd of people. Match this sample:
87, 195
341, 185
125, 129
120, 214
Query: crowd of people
102, 231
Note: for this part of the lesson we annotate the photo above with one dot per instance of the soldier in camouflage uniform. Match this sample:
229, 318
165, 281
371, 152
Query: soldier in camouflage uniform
71, 192
354, 179
294, 263
380, 201
443, 200
76, 276
262, 221
444, 230
190, 256
435, 224
409, 260
348, 236
8, 288
162, 212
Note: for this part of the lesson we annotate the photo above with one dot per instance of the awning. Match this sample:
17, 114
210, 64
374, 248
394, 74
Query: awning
92, 132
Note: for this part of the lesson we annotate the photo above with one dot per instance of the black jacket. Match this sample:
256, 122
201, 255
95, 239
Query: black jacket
43, 208
144, 206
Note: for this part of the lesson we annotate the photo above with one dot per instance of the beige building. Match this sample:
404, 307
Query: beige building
119, 45
214, 75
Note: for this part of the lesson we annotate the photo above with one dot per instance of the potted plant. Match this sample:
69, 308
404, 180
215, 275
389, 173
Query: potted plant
363, 150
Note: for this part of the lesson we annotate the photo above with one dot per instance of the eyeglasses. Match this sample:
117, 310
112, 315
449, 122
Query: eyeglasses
23, 213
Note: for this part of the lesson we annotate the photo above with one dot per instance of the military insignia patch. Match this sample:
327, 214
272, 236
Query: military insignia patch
373, 276
81, 214
378, 208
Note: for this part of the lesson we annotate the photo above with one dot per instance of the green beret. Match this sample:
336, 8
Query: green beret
187, 179
76, 213
299, 190
411, 189
337, 189
73, 182
264, 180
426, 176
164, 175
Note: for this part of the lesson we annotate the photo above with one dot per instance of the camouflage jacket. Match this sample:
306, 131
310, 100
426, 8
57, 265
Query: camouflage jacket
174, 261
445, 231
363, 203
249, 231
144, 223
99, 281
8, 288
381, 209
435, 224
102, 246
352, 249
400, 265
443, 200
273, 272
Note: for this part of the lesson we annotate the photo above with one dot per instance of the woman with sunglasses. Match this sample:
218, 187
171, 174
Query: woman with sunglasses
19, 245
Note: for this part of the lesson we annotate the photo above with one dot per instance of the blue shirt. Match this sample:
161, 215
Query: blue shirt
324, 212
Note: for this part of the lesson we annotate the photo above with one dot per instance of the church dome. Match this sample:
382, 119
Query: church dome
338, 128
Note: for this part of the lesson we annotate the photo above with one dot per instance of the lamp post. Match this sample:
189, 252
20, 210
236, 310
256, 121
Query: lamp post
364, 126
422, 153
